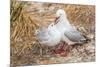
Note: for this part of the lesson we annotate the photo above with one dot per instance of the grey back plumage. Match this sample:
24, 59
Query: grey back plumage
75, 36
42, 35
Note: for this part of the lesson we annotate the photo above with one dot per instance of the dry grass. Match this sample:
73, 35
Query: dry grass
26, 17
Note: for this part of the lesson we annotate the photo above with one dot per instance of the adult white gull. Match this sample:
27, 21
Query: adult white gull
69, 34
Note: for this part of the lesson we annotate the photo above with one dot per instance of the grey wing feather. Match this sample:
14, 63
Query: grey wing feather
43, 36
74, 36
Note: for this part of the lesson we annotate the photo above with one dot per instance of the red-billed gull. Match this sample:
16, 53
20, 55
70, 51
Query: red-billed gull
69, 33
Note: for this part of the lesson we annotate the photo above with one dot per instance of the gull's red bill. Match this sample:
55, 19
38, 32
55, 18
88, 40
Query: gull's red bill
56, 20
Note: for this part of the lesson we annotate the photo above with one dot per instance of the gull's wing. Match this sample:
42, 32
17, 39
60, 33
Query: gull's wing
43, 35
74, 36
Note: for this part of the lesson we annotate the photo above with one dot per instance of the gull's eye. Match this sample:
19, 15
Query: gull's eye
52, 25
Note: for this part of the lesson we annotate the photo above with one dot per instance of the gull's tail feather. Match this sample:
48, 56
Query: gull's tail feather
87, 39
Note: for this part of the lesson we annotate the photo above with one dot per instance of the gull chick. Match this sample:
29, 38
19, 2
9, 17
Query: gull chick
49, 36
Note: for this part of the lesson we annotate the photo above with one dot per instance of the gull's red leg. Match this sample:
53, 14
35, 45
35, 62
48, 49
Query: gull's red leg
62, 50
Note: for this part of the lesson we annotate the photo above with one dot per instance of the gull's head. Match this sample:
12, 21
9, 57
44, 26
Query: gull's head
60, 13
40, 30
51, 25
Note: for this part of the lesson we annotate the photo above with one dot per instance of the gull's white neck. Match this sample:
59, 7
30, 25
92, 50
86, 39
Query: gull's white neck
63, 20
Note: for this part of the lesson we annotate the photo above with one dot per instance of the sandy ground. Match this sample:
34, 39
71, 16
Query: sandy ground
25, 50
